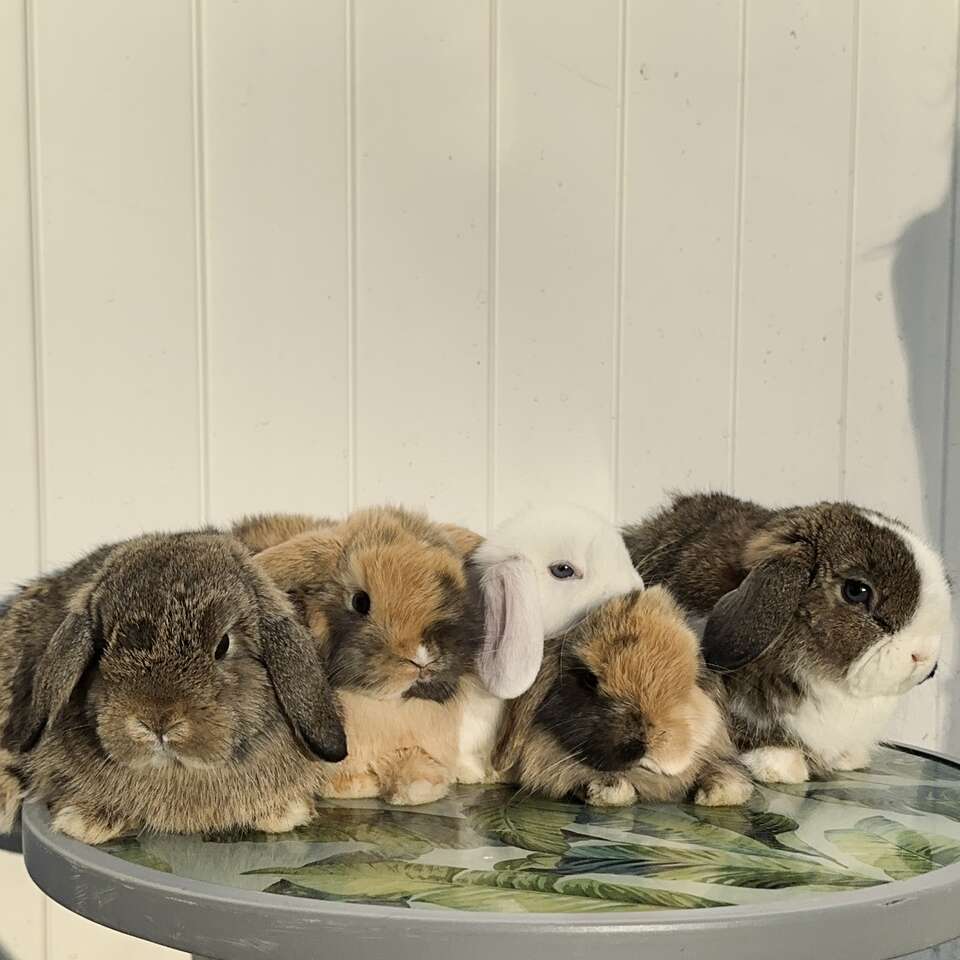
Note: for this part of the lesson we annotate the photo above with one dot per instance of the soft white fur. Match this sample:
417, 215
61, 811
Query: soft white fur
776, 765
479, 723
841, 723
525, 603
517, 558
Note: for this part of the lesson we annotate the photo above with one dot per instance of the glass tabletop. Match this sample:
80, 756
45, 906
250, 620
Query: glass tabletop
498, 849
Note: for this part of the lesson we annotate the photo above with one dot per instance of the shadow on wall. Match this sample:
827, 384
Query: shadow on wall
921, 270
921, 279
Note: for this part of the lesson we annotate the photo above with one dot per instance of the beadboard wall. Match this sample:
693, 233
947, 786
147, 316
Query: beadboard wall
463, 254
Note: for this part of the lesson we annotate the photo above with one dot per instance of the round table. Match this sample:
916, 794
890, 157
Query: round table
863, 866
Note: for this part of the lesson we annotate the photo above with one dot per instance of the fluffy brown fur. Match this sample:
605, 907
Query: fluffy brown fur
621, 711
401, 656
403, 751
263, 530
162, 683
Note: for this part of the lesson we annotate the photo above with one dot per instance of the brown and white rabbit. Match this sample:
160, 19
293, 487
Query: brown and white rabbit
622, 711
819, 618
395, 613
162, 682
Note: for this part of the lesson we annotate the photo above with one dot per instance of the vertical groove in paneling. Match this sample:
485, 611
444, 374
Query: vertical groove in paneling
619, 292
36, 305
851, 251
200, 241
351, 241
738, 249
36, 247
953, 319
493, 261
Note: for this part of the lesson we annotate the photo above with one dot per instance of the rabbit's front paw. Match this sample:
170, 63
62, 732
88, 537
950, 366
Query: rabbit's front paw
612, 792
776, 765
295, 814
84, 827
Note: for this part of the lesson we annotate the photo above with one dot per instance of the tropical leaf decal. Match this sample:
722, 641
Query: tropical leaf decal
759, 825
900, 852
530, 823
707, 865
495, 848
892, 798
898, 763
130, 849
395, 833
401, 882
733, 829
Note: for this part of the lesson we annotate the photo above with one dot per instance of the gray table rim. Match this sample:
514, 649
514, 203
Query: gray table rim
233, 924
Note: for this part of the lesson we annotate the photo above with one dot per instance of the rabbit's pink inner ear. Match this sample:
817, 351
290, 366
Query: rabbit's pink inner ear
513, 644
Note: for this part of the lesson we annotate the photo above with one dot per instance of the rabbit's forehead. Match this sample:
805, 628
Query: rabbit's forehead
141, 613
910, 575
647, 672
860, 545
408, 583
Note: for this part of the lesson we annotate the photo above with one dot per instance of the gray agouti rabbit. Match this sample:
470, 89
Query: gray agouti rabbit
162, 682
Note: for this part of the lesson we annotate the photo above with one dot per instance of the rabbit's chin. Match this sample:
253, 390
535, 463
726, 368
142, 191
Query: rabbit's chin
893, 666
166, 760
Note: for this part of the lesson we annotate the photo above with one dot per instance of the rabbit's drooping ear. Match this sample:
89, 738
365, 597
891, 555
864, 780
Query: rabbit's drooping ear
745, 622
464, 541
68, 654
300, 682
302, 559
263, 530
513, 642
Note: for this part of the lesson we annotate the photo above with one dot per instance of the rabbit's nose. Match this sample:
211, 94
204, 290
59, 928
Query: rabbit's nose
150, 729
422, 657
162, 730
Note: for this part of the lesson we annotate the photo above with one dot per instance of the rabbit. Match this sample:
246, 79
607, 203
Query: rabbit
162, 682
541, 570
261, 530
623, 710
817, 617
395, 613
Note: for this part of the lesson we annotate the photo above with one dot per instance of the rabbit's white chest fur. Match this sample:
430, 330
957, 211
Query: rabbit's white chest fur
479, 724
839, 728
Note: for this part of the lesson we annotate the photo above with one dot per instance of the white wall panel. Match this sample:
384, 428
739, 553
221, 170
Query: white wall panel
900, 280
682, 172
19, 515
117, 268
274, 99
420, 150
798, 112
556, 287
19, 554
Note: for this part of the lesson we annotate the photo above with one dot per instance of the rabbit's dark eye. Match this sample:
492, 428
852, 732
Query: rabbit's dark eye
222, 647
587, 679
563, 571
856, 591
361, 602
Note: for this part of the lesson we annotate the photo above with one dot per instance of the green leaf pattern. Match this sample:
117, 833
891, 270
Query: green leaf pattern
497, 849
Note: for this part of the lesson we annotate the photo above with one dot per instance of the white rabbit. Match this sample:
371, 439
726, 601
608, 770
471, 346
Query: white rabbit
541, 570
